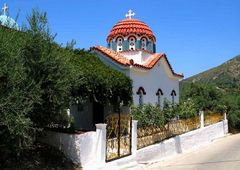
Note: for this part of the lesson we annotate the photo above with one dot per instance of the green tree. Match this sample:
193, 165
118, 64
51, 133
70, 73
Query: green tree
47, 72
16, 128
206, 97
97, 82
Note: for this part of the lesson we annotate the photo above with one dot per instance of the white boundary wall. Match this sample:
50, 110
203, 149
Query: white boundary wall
182, 143
89, 149
80, 148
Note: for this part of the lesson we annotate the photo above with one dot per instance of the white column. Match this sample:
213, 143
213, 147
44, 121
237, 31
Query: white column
134, 137
225, 124
225, 116
101, 143
69, 114
201, 113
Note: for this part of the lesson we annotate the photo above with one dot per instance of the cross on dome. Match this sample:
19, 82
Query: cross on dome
130, 14
5, 9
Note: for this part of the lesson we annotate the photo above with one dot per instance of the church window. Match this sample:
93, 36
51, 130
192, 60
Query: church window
140, 93
119, 44
144, 43
159, 97
173, 94
132, 42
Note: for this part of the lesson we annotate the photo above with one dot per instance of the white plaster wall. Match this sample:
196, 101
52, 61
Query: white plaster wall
151, 80
80, 148
182, 143
160, 76
137, 56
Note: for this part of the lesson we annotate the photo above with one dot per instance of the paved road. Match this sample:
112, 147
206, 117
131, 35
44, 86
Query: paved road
222, 154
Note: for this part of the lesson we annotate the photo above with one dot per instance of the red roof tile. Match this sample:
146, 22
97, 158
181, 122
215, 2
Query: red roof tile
130, 26
120, 59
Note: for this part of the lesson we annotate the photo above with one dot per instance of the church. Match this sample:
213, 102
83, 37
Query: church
132, 50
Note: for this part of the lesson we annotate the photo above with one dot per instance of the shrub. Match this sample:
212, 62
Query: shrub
234, 119
187, 109
148, 115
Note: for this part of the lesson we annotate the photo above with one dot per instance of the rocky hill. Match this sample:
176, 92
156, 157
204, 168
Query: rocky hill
226, 76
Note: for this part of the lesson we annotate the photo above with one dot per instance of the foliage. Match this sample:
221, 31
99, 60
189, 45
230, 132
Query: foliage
148, 115
39, 157
39, 80
206, 97
97, 82
187, 109
47, 72
233, 111
224, 78
234, 119
170, 110
152, 115
15, 96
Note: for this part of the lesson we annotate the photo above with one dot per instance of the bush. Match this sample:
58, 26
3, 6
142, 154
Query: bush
148, 115
170, 110
187, 109
234, 119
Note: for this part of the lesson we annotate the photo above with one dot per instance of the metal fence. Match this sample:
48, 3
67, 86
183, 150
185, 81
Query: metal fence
150, 135
210, 119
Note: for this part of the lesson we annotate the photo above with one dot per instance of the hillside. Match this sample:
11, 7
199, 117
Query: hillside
225, 76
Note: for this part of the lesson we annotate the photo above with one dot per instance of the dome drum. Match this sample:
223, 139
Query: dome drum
131, 34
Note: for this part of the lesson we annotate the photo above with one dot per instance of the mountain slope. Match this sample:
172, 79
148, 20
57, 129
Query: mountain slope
225, 76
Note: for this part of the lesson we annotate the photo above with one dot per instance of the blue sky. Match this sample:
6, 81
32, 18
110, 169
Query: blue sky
195, 35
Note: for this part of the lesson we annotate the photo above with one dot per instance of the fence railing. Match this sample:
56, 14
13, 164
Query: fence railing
150, 135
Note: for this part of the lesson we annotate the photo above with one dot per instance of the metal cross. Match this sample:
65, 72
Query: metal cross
130, 14
5, 8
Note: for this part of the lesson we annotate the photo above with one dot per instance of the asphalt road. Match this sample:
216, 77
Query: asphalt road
222, 154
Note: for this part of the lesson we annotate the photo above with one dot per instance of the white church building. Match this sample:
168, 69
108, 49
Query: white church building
132, 50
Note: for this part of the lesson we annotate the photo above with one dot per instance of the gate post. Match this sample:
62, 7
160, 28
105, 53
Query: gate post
134, 137
101, 142
201, 113
225, 124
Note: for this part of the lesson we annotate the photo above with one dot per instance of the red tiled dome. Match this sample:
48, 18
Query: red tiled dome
130, 26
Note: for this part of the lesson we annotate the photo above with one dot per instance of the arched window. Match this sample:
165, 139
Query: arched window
132, 42
143, 43
159, 95
141, 92
173, 94
119, 44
